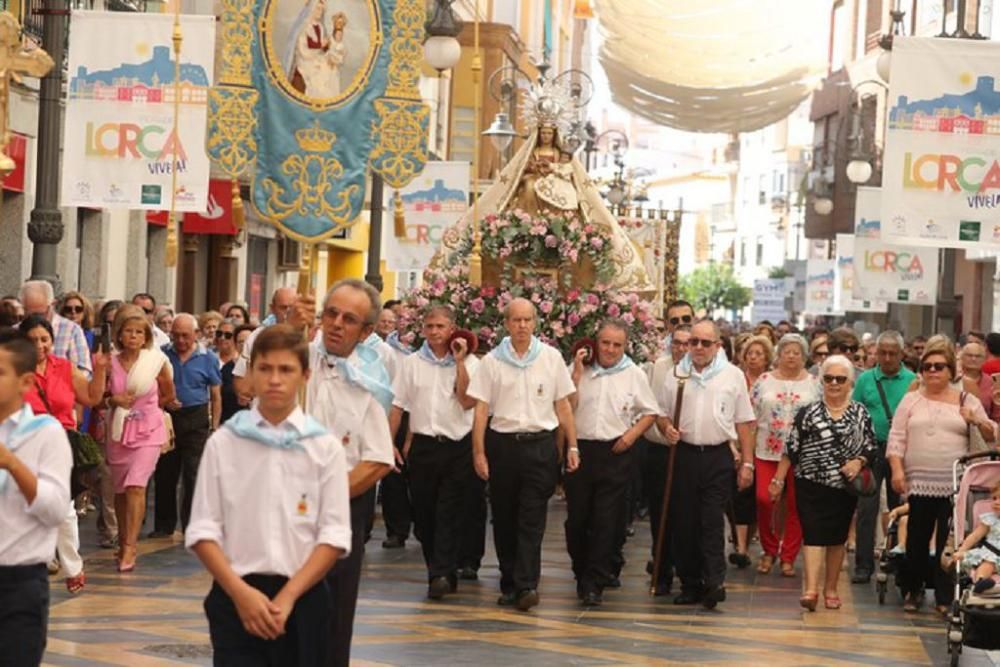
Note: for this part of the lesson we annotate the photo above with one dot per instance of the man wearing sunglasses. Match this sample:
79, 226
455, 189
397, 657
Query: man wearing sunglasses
880, 389
716, 409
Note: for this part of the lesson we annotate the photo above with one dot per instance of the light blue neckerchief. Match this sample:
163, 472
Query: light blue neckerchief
427, 354
368, 374
27, 423
270, 320
505, 352
373, 340
398, 345
246, 425
718, 364
623, 363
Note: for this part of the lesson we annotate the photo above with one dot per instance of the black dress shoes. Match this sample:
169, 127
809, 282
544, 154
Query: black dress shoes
393, 542
527, 599
861, 577
688, 597
439, 587
507, 599
468, 574
713, 596
592, 599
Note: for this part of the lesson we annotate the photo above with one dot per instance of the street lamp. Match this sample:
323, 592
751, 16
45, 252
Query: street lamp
501, 132
859, 167
441, 49
883, 64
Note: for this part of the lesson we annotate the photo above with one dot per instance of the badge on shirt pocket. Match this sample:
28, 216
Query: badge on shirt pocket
302, 507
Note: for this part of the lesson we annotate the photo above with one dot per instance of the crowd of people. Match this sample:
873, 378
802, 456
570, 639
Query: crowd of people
268, 444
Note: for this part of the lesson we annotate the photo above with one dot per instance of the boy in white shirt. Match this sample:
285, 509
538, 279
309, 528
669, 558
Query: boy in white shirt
35, 465
270, 517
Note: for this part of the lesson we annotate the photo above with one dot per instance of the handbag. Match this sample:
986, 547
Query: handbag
864, 484
86, 452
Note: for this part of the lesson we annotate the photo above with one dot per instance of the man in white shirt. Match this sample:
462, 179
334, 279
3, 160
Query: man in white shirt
716, 409
282, 302
271, 517
350, 393
655, 464
431, 386
613, 406
35, 464
525, 385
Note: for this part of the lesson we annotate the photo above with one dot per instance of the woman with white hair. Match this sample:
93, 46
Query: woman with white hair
831, 440
777, 396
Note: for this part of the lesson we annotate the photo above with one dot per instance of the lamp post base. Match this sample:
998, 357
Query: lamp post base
45, 230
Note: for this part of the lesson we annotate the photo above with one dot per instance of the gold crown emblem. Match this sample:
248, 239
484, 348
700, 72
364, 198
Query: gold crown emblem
315, 139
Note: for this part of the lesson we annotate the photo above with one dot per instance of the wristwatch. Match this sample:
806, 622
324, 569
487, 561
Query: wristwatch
747, 464
575, 449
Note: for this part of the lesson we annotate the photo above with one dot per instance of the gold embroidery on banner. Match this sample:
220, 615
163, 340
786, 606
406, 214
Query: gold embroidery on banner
400, 151
232, 103
314, 175
232, 120
399, 134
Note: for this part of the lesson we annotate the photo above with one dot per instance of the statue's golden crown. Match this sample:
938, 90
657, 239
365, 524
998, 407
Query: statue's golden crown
315, 139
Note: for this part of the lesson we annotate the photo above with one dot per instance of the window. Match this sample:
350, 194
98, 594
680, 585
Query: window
743, 252
839, 36
760, 250
745, 198
762, 189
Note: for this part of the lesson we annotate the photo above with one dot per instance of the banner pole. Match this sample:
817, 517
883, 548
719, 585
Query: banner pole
178, 38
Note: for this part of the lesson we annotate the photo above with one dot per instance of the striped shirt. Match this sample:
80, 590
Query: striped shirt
69, 342
820, 445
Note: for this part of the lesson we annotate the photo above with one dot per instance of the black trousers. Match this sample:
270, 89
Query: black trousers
191, 428
396, 505
638, 494
656, 483
868, 515
596, 513
439, 472
703, 486
472, 532
523, 477
24, 614
925, 515
344, 580
304, 643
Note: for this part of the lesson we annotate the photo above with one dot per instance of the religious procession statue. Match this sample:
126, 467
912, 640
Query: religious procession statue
548, 236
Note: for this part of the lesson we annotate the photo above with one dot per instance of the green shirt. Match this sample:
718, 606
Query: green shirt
866, 393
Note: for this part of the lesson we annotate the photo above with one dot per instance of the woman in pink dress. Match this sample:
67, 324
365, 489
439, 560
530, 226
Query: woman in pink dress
141, 382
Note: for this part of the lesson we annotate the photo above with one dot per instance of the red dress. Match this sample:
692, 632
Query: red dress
57, 383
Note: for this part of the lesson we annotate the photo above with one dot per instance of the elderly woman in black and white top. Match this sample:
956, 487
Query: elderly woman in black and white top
830, 442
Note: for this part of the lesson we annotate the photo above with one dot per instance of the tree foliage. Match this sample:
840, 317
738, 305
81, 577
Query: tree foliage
713, 287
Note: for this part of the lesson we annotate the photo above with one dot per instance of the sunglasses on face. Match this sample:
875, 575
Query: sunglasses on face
72, 310
686, 319
228, 335
936, 366
148, 311
848, 349
835, 379
679, 343
821, 353
703, 342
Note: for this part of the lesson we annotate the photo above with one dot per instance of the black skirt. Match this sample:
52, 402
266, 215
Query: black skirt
744, 506
824, 512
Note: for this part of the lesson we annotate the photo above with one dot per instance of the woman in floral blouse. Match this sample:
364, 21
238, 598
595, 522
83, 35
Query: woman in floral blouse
776, 396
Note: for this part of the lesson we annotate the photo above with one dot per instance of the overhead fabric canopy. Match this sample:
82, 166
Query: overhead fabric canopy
714, 65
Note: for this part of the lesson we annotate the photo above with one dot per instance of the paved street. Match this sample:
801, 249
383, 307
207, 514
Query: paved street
153, 617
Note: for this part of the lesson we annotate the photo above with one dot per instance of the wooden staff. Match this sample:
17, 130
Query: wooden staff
665, 507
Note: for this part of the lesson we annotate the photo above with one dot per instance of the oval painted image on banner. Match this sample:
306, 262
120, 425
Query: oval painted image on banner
320, 52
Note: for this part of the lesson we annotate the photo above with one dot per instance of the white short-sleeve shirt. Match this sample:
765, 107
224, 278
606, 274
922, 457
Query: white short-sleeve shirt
28, 532
657, 374
608, 405
427, 392
522, 399
267, 507
710, 413
242, 365
350, 412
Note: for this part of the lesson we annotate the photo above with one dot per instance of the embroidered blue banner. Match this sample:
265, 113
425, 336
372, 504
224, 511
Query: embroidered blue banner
311, 93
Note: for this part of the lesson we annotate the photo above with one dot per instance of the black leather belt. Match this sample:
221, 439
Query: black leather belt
437, 438
702, 448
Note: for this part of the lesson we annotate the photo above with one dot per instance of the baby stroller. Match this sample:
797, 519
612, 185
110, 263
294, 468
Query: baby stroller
890, 560
975, 619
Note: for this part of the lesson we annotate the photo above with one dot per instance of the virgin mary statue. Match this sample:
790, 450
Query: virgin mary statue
543, 179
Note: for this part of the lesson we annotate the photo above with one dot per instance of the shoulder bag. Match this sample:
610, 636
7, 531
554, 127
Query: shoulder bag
86, 452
